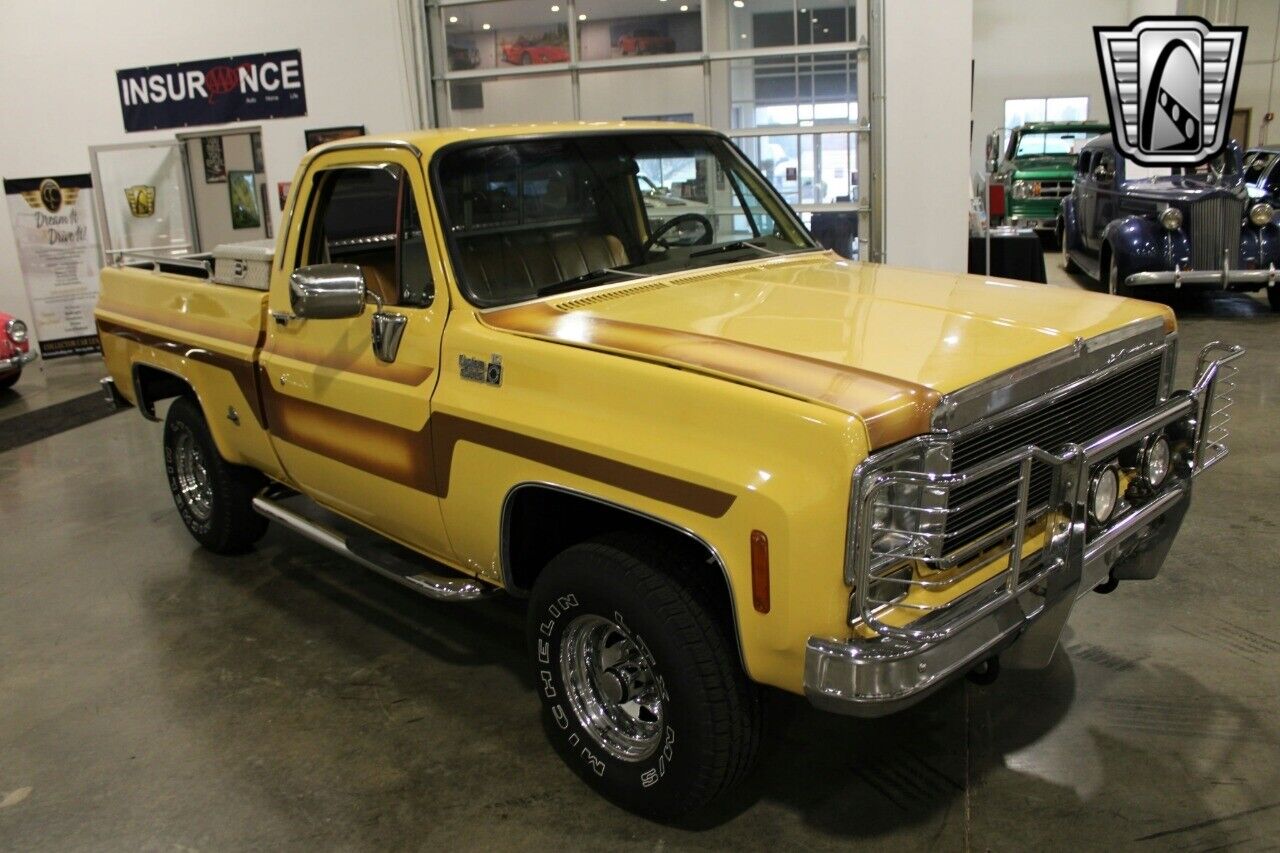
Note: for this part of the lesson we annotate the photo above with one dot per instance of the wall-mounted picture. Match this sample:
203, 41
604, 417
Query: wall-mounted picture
255, 142
648, 35
282, 190
321, 135
463, 53
215, 163
535, 47
244, 200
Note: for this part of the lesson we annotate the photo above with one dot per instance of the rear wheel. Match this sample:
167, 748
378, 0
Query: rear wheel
214, 497
526, 59
641, 689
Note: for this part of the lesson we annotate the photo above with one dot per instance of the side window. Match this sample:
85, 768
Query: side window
1107, 163
1082, 164
365, 215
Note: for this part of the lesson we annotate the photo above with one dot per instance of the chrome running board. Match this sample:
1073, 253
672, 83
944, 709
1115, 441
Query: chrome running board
373, 552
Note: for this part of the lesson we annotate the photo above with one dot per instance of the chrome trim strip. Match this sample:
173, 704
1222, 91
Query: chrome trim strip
1033, 379
504, 546
1221, 277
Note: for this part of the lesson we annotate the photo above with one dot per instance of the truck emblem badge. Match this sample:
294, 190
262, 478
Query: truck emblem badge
1171, 87
475, 370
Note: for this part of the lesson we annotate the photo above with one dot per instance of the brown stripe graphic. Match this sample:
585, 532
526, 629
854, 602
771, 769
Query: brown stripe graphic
892, 409
402, 373
423, 459
242, 370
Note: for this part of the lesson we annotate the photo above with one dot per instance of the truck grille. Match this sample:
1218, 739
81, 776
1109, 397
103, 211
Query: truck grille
1079, 416
1055, 189
1215, 228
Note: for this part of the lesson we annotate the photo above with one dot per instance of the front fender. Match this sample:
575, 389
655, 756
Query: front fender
1070, 225
1260, 247
1141, 245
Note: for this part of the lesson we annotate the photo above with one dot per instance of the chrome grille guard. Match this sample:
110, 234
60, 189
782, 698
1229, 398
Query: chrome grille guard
932, 605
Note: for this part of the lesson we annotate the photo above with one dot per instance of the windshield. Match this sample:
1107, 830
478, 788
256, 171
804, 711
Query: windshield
1052, 142
530, 218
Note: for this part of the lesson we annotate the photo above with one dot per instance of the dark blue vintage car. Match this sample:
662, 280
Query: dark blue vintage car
1206, 229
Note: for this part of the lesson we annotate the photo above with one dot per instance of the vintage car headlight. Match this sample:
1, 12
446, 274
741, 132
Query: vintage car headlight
1156, 460
1261, 214
16, 330
1104, 492
1171, 218
1025, 189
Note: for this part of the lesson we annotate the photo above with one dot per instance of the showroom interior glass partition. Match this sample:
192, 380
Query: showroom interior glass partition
782, 77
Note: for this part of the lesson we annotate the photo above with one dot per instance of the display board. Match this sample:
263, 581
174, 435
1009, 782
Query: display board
58, 250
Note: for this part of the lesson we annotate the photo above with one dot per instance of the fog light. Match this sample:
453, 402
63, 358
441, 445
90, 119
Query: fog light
1103, 492
1261, 214
1156, 459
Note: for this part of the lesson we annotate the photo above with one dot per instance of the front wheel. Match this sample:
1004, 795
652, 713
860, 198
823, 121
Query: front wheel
214, 497
642, 693
1115, 283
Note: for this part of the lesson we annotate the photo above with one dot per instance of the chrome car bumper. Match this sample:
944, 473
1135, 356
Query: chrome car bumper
1021, 611
1223, 278
16, 361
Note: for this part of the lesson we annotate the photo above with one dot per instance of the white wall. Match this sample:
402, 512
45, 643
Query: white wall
1041, 49
1256, 91
928, 46
56, 103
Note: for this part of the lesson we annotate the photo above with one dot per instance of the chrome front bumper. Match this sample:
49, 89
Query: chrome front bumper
1020, 612
16, 361
1222, 278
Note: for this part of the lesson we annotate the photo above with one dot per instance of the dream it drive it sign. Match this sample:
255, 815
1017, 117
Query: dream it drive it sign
213, 91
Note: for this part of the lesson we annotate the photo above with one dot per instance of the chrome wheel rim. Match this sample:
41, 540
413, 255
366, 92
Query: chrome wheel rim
611, 687
193, 476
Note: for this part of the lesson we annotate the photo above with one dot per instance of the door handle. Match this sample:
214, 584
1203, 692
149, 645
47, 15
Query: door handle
282, 318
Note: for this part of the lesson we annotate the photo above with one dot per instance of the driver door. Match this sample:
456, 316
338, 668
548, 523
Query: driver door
350, 427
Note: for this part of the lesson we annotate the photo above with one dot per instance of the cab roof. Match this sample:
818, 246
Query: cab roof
431, 140
1043, 126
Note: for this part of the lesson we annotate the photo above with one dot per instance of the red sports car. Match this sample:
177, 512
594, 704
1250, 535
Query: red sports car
521, 52
646, 41
15, 349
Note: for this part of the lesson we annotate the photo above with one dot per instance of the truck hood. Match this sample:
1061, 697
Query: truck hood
882, 343
1182, 188
1035, 168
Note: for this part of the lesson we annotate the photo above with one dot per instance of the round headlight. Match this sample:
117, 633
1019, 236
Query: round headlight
1103, 493
1171, 218
16, 330
1261, 214
1021, 189
1155, 461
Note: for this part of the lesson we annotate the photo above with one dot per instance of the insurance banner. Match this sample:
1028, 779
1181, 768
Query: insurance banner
213, 91
58, 251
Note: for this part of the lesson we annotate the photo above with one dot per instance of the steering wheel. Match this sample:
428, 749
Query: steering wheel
708, 232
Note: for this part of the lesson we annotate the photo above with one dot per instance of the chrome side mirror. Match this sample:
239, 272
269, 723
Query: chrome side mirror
327, 291
388, 329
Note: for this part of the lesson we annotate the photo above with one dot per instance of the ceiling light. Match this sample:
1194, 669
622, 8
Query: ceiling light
582, 17
485, 26
453, 19
826, 29
738, 4
684, 8
555, 8
802, 11
742, 35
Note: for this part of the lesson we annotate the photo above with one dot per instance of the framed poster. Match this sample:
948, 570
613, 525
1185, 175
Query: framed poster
255, 142
215, 163
321, 135
244, 200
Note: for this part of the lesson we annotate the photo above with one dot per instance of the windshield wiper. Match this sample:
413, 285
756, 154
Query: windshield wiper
586, 278
733, 247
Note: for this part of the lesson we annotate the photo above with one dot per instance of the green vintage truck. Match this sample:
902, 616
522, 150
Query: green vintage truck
1033, 176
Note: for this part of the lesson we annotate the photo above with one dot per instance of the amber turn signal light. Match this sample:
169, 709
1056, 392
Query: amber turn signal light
760, 571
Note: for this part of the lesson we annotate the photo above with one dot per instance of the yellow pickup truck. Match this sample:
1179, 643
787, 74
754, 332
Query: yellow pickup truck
711, 454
